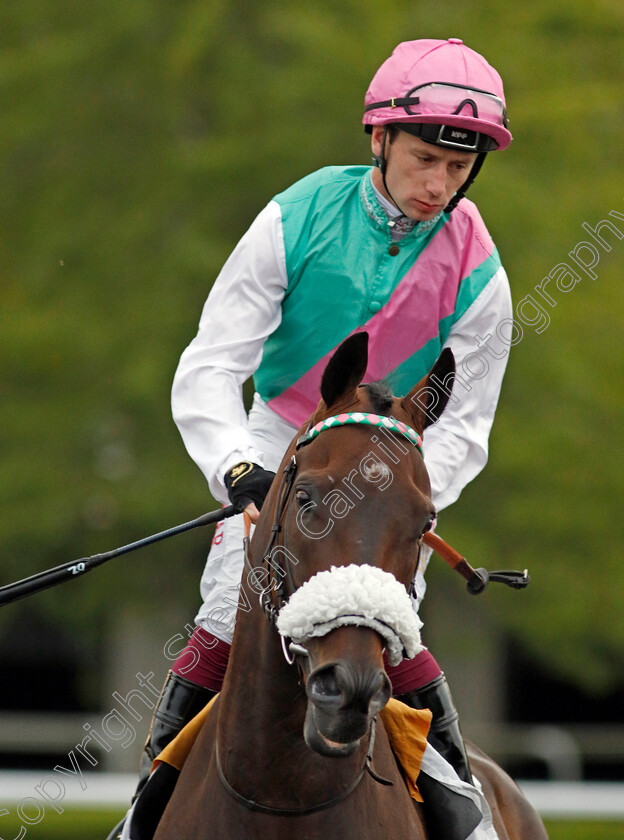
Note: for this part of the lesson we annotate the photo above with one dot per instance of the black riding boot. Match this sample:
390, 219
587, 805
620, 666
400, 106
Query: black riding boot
449, 815
179, 702
444, 734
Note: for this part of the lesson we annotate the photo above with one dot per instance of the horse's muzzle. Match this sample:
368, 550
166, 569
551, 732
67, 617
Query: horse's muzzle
342, 701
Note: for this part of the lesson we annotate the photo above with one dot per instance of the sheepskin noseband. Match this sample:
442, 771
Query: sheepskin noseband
361, 595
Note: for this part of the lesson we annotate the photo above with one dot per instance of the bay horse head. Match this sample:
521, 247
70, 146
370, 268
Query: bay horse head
349, 515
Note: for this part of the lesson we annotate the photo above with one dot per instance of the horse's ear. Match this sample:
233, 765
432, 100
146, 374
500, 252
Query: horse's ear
345, 370
427, 400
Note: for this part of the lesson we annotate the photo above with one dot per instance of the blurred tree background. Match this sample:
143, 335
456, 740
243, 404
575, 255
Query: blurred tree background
140, 138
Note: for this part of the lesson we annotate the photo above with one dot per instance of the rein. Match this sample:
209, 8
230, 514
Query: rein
252, 805
269, 606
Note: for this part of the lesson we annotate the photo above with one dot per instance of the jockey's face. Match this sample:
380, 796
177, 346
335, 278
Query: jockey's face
421, 178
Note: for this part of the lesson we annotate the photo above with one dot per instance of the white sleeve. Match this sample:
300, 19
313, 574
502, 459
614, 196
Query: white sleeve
456, 447
242, 310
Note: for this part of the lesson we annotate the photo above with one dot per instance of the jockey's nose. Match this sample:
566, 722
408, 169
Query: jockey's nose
436, 180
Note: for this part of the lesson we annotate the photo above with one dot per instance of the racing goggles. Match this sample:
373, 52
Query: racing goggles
475, 109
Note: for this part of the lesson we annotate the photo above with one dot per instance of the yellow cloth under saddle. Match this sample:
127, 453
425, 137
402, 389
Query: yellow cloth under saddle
407, 732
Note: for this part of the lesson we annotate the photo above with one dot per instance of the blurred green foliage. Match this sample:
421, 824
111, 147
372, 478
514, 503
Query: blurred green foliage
138, 141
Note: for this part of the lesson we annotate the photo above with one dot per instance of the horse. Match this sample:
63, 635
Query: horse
293, 745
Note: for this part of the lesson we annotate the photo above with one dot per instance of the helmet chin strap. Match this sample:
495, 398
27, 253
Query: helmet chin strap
382, 164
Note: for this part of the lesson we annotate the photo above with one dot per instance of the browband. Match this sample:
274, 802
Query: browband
397, 427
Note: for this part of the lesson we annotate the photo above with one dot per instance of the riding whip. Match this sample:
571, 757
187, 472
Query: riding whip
68, 571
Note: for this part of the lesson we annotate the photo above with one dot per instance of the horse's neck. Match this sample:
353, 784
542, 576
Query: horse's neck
260, 686
262, 712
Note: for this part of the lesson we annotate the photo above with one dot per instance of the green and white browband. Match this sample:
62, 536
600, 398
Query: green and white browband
397, 427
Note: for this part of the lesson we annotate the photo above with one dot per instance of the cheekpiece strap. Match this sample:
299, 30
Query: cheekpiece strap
397, 427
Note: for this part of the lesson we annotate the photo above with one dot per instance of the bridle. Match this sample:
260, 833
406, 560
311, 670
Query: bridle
284, 586
281, 586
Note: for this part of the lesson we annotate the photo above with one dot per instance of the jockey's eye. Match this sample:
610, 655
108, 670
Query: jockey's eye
302, 497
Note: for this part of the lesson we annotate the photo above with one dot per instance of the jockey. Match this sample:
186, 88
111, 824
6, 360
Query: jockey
395, 249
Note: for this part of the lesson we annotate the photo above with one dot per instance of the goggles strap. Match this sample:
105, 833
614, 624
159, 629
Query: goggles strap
396, 102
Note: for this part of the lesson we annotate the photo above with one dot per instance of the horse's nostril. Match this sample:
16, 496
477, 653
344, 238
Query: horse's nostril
382, 693
333, 687
323, 687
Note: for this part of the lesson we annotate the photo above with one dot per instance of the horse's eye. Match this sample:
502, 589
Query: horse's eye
429, 523
302, 497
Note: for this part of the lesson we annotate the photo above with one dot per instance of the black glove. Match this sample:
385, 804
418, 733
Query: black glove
246, 483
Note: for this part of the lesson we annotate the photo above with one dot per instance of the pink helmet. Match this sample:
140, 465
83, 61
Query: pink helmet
443, 92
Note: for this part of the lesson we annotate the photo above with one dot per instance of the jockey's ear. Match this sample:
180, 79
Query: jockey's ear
428, 399
345, 370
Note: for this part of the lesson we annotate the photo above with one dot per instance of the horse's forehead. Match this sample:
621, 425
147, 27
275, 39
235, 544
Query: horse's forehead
372, 451
366, 404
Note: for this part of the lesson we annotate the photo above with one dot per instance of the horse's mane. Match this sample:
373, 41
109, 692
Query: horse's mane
380, 396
